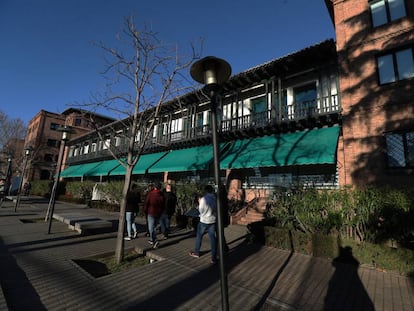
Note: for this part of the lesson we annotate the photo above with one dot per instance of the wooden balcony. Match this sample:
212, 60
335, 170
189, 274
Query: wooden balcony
298, 116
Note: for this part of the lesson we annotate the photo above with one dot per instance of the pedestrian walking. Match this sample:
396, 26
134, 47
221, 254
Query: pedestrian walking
170, 200
154, 206
132, 208
27, 186
208, 210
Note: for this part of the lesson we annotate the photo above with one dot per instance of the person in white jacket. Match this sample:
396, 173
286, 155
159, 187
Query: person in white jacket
207, 206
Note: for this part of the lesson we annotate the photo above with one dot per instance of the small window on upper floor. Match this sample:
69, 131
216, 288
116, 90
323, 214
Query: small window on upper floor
395, 66
400, 149
386, 11
78, 121
52, 143
48, 157
54, 126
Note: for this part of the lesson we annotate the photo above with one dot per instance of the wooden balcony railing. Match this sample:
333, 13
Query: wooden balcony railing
294, 112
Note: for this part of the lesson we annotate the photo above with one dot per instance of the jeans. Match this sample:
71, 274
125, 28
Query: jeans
165, 224
130, 221
202, 228
152, 225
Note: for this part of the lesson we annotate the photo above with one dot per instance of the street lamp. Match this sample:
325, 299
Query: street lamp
27, 151
212, 71
8, 175
66, 130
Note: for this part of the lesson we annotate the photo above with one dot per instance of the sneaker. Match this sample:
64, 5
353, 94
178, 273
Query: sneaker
156, 244
135, 234
195, 255
127, 238
165, 237
150, 242
213, 260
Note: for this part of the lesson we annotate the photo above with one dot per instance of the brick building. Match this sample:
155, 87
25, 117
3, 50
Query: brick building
331, 115
375, 45
44, 137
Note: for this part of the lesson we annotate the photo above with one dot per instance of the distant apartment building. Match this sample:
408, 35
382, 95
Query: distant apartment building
44, 137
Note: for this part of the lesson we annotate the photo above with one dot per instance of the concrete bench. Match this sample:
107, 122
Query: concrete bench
91, 226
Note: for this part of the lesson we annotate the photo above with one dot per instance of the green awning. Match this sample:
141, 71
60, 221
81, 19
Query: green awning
144, 162
316, 146
78, 170
102, 168
190, 159
71, 171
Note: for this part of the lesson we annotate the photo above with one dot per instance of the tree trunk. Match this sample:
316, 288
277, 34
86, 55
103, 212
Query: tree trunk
119, 250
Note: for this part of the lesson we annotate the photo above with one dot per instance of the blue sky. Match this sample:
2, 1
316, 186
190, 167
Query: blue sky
48, 60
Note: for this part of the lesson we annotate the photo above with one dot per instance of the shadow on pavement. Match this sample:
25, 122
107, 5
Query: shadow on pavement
14, 283
184, 290
346, 283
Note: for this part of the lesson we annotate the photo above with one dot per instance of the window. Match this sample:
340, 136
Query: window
78, 121
54, 126
400, 149
396, 66
304, 98
94, 146
259, 109
48, 157
386, 11
52, 142
106, 144
86, 148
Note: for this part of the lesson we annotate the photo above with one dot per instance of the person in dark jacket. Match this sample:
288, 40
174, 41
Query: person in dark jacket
170, 203
132, 208
154, 205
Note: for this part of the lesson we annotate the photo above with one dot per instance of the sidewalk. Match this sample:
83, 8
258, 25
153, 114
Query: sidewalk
37, 272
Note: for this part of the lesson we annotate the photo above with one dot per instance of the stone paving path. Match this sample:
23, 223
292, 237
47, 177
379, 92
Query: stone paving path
37, 272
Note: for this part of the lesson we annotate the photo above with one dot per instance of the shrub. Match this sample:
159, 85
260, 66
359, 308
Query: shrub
365, 214
80, 189
41, 187
187, 196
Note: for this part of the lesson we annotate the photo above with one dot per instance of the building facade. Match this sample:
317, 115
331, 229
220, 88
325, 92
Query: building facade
375, 44
44, 137
331, 115
279, 127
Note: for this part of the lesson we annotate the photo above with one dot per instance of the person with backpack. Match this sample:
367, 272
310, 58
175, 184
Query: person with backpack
170, 200
154, 205
208, 210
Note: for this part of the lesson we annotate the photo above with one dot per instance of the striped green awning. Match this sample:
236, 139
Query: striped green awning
317, 146
189, 159
103, 168
145, 161
78, 170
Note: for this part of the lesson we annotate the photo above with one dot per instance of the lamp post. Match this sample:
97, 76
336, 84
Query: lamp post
212, 71
65, 137
27, 151
8, 176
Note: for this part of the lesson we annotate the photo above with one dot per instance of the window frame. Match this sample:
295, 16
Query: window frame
396, 69
406, 153
388, 11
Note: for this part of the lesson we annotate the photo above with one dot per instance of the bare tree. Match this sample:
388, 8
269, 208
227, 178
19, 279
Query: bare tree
10, 129
140, 79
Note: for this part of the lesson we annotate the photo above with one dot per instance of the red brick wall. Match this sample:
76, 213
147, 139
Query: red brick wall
368, 109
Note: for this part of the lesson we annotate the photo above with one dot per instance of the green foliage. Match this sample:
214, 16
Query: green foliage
366, 214
80, 189
112, 190
41, 187
381, 257
187, 196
